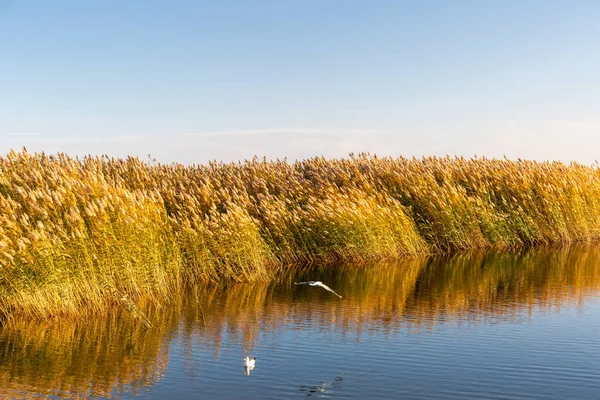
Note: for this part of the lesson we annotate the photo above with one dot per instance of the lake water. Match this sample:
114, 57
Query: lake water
521, 325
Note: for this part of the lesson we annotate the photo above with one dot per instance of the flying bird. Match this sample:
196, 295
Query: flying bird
318, 283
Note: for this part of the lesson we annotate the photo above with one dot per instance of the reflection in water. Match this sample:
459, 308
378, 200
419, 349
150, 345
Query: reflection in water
324, 389
119, 352
84, 358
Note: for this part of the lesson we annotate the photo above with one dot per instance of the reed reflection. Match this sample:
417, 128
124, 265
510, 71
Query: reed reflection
385, 297
84, 358
97, 356
497, 285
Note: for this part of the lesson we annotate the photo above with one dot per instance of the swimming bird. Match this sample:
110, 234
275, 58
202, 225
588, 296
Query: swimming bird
249, 362
318, 283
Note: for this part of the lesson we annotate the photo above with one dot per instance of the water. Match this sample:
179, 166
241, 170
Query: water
479, 326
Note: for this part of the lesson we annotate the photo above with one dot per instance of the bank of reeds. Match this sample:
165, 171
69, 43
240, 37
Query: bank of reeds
79, 234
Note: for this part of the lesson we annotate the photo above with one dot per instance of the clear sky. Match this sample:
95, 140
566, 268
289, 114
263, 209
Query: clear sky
191, 81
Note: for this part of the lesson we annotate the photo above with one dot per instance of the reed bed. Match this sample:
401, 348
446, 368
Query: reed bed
77, 235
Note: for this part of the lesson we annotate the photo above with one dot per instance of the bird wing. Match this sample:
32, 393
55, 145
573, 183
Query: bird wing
301, 283
328, 289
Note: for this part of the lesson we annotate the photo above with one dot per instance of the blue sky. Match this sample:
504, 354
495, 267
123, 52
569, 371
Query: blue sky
191, 81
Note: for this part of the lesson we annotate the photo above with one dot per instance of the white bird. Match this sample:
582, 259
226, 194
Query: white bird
249, 362
318, 283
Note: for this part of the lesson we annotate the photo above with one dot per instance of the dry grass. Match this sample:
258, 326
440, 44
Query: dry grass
79, 235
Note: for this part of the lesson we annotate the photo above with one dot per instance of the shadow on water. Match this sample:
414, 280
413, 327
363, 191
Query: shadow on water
101, 355
323, 389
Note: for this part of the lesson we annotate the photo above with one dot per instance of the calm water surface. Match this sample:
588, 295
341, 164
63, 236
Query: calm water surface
479, 326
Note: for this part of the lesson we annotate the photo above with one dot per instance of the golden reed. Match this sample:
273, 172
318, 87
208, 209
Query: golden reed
77, 235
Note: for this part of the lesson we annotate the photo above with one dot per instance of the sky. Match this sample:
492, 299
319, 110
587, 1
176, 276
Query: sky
193, 81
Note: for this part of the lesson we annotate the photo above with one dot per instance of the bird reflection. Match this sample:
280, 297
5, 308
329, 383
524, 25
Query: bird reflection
324, 389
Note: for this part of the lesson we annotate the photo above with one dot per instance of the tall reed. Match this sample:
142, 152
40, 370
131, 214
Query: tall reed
80, 234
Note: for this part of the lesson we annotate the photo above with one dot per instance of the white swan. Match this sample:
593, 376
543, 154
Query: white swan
318, 283
249, 362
